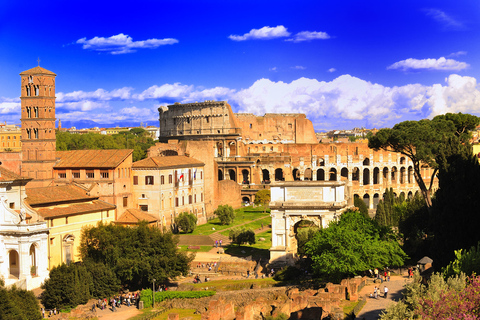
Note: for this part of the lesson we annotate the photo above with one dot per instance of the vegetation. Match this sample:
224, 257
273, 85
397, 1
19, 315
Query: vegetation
392, 210
146, 295
262, 197
360, 204
226, 214
303, 236
137, 139
241, 236
186, 222
428, 142
136, 255
352, 246
16, 304
467, 262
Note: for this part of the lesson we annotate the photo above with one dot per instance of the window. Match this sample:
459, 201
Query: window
135, 180
162, 180
201, 196
35, 110
189, 199
104, 174
125, 202
176, 202
144, 207
201, 174
250, 126
76, 174
62, 174
183, 200
149, 180
12, 205
90, 174
66, 220
195, 198
35, 131
289, 126
51, 241
37, 90
170, 178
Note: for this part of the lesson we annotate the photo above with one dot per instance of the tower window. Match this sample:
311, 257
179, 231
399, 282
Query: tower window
37, 91
29, 93
36, 133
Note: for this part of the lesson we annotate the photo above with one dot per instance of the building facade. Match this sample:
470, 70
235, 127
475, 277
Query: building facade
10, 138
167, 186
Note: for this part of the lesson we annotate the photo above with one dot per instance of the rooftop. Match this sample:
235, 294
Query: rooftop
7, 175
91, 158
134, 216
57, 194
168, 162
37, 70
74, 209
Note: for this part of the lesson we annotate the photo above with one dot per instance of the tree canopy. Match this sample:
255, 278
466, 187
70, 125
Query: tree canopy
353, 245
135, 254
225, 213
17, 304
186, 222
262, 197
427, 142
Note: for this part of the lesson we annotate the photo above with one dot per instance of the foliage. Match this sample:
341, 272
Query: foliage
418, 298
353, 245
67, 287
136, 139
146, 295
262, 197
303, 236
360, 204
241, 236
135, 254
104, 281
16, 304
392, 210
186, 221
225, 213
287, 274
428, 142
467, 262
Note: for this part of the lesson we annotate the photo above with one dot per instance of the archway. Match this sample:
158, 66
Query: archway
233, 149
246, 200
321, 162
376, 175
14, 263
410, 174
344, 174
245, 176
308, 174
279, 174
402, 160
296, 174
356, 174
366, 199
410, 195
232, 175
366, 162
394, 174
320, 175
385, 174
304, 231
167, 153
333, 174
220, 175
265, 176
366, 176
33, 260
376, 199
68, 241
402, 174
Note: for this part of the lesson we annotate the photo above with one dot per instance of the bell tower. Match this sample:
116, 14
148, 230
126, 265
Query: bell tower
38, 125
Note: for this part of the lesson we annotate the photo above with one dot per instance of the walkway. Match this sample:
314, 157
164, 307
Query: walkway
374, 307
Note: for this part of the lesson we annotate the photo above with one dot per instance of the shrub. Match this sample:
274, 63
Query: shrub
241, 236
186, 222
225, 213
146, 295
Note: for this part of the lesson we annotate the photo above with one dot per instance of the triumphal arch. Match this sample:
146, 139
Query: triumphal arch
294, 201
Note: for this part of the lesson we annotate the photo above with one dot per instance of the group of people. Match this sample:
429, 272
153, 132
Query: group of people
196, 279
383, 276
207, 266
117, 301
218, 243
376, 292
50, 313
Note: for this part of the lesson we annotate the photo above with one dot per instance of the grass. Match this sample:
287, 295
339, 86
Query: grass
348, 307
245, 251
202, 249
226, 285
242, 215
253, 225
182, 313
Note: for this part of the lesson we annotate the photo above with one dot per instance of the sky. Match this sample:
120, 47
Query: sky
344, 64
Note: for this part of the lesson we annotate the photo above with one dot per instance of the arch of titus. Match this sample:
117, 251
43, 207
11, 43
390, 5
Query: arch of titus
291, 202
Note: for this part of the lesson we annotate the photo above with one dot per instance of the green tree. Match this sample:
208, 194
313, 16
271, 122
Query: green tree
353, 245
427, 142
360, 204
186, 222
303, 236
241, 236
225, 213
104, 281
262, 197
466, 261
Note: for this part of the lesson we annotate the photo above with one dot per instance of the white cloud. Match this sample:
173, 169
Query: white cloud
265, 33
299, 68
99, 94
457, 54
122, 43
446, 20
332, 70
83, 105
429, 64
274, 69
175, 90
309, 35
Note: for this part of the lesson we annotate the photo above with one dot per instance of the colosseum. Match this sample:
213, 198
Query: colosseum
253, 151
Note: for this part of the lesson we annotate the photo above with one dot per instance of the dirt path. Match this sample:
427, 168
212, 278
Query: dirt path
122, 313
374, 307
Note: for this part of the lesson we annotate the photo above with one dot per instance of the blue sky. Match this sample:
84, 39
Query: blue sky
344, 64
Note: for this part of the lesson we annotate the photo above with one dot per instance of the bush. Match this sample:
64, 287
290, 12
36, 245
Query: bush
186, 222
146, 295
226, 214
18, 304
241, 236
287, 274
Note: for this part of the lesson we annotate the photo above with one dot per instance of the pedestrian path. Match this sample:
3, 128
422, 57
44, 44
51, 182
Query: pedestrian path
374, 307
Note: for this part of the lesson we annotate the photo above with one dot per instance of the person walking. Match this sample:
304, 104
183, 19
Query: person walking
385, 291
375, 292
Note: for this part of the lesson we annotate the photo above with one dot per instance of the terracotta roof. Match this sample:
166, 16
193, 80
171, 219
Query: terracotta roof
75, 209
7, 175
48, 195
134, 216
37, 70
110, 158
168, 162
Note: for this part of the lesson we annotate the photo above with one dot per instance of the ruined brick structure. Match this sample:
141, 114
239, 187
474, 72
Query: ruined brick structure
38, 125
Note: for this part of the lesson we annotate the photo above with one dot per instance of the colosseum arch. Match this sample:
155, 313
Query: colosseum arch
245, 176
366, 176
366, 162
320, 175
308, 174
403, 173
232, 175
296, 174
279, 174
376, 175
356, 174
265, 175
220, 175
344, 174
333, 174
410, 174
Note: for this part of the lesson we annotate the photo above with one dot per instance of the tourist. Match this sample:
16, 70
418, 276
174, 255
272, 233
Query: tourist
375, 292
385, 291
93, 308
388, 275
43, 313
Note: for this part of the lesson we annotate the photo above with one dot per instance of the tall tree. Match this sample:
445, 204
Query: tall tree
263, 197
427, 142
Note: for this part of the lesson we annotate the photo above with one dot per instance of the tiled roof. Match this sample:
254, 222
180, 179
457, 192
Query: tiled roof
133, 216
75, 209
37, 70
110, 158
7, 175
167, 162
48, 195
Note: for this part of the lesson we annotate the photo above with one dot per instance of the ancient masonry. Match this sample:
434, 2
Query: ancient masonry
38, 125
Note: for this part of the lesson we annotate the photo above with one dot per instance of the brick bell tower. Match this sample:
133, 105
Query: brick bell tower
38, 126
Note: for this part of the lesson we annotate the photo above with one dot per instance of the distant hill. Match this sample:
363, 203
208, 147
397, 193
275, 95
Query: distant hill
85, 124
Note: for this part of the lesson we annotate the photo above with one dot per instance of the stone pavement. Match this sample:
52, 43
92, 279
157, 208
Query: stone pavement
374, 307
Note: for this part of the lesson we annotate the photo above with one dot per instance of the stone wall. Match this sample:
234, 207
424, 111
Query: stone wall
229, 192
11, 161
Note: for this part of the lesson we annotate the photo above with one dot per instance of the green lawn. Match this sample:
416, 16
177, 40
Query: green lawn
202, 249
253, 225
226, 285
242, 215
